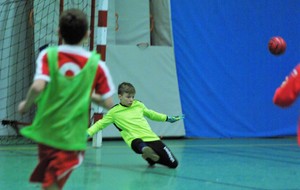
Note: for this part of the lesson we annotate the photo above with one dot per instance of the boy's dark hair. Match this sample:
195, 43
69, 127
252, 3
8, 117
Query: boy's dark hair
73, 25
126, 87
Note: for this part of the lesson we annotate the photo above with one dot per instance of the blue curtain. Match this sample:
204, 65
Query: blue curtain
226, 75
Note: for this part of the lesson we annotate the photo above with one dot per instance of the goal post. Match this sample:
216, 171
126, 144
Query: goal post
27, 27
96, 114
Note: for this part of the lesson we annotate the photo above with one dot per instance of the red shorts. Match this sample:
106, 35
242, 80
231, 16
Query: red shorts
55, 165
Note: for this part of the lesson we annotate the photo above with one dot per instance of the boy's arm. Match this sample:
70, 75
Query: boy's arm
287, 93
106, 103
104, 88
155, 116
34, 91
161, 117
100, 124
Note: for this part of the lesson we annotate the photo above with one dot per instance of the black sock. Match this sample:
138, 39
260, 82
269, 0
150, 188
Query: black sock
141, 146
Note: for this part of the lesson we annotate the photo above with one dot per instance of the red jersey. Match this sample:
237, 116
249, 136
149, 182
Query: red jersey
288, 92
71, 59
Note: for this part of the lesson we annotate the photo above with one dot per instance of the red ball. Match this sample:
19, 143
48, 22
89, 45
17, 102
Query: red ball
277, 45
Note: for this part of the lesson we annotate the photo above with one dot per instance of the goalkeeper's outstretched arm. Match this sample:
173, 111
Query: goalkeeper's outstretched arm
100, 124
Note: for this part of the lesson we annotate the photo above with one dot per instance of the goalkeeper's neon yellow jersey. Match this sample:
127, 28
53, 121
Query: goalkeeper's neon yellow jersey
130, 121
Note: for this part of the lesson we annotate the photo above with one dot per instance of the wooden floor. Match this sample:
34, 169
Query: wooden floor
208, 164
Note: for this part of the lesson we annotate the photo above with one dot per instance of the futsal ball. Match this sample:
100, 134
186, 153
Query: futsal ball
277, 45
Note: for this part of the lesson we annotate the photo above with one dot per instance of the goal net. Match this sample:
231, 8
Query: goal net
27, 27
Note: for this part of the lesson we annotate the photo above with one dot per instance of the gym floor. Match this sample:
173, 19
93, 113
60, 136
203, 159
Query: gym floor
209, 164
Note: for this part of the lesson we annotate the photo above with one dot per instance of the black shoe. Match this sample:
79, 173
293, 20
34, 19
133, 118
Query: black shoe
150, 162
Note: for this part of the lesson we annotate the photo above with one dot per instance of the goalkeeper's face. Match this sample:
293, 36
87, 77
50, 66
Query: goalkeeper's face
126, 99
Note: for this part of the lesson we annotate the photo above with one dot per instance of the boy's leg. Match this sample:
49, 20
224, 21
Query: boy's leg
54, 186
55, 166
166, 156
140, 147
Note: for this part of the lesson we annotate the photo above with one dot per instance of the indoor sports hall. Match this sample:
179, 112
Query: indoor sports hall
207, 60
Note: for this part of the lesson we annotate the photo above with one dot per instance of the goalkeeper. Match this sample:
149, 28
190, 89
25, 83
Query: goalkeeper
128, 118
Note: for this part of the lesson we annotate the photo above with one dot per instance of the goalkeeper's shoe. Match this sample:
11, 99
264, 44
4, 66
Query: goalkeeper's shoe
148, 153
150, 162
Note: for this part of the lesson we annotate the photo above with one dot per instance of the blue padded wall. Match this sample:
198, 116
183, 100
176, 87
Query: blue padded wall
226, 75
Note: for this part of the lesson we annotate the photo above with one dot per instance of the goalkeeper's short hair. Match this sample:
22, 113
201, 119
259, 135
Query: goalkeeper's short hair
126, 87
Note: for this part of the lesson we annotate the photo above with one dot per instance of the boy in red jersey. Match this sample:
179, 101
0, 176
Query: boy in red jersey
129, 118
288, 92
67, 79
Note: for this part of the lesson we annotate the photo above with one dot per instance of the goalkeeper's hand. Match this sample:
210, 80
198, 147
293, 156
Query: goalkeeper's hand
173, 119
88, 136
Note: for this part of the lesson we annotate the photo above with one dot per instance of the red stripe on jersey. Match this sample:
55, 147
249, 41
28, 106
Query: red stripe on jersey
101, 84
62, 59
